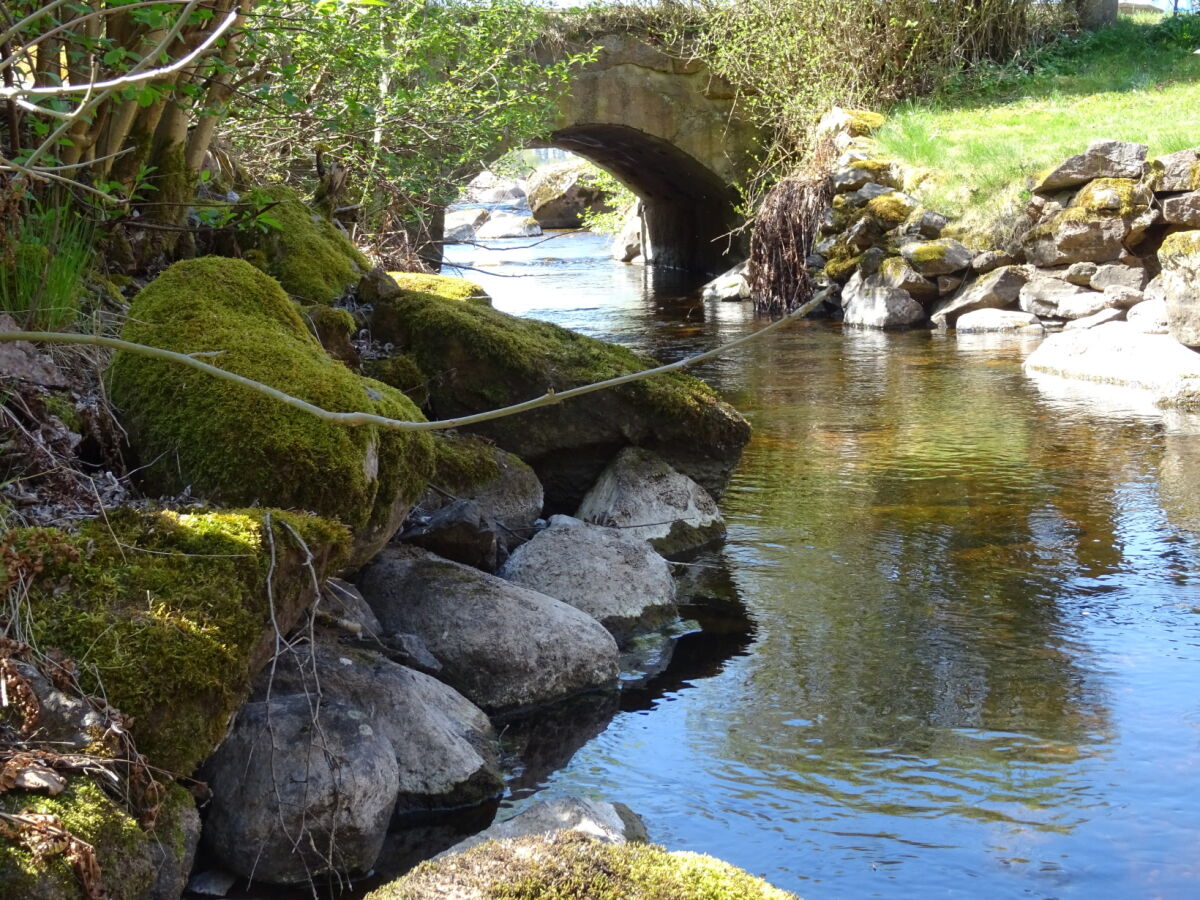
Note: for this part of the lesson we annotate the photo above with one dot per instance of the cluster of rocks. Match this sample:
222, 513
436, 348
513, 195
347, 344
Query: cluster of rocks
554, 196
1084, 254
425, 648
1109, 242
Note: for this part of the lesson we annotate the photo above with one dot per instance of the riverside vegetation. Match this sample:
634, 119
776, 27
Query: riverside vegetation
180, 625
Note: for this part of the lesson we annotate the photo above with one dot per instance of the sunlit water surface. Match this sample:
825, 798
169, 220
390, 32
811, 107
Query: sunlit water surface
976, 670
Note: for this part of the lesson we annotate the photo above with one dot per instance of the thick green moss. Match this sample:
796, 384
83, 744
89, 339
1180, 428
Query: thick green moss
334, 328
443, 286
891, 209
864, 122
128, 856
402, 373
165, 613
571, 866
842, 261
312, 259
86, 812
509, 353
236, 446
465, 462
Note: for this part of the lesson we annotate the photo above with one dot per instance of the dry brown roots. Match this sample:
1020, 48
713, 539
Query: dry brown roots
785, 229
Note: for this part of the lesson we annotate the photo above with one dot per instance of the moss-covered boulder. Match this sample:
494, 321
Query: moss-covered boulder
478, 359
447, 286
334, 328
134, 863
571, 866
312, 258
239, 447
168, 614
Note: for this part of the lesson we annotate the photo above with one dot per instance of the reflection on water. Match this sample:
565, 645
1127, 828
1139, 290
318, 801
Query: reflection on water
976, 669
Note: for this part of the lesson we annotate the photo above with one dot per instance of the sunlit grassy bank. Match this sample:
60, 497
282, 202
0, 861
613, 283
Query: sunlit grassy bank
1138, 80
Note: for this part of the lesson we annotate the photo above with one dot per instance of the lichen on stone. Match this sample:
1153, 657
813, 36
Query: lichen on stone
890, 209
236, 446
567, 865
842, 261
1093, 197
863, 122
1179, 244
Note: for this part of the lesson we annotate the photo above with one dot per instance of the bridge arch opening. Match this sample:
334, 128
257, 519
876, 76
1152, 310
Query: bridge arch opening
689, 211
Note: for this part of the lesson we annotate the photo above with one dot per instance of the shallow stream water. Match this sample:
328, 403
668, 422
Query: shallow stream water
975, 669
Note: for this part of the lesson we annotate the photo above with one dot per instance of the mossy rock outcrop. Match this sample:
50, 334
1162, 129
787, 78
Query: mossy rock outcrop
167, 614
238, 447
478, 359
447, 286
311, 257
571, 866
135, 864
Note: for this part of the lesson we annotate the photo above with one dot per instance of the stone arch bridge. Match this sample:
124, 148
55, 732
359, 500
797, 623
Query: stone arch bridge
667, 129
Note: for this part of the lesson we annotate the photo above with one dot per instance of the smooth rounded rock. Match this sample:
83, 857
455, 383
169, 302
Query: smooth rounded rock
640, 493
297, 793
616, 578
503, 646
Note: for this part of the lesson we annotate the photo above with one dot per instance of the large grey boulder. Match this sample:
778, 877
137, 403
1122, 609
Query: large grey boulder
640, 493
560, 194
505, 224
731, 285
1051, 297
460, 225
997, 289
503, 646
1102, 159
446, 751
1001, 321
614, 577
613, 823
1119, 354
1149, 317
941, 257
298, 791
1179, 284
1182, 210
870, 302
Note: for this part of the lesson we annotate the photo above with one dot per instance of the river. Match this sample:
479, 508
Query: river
975, 669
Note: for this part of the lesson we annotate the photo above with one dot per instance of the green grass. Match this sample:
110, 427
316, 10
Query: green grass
985, 136
42, 270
